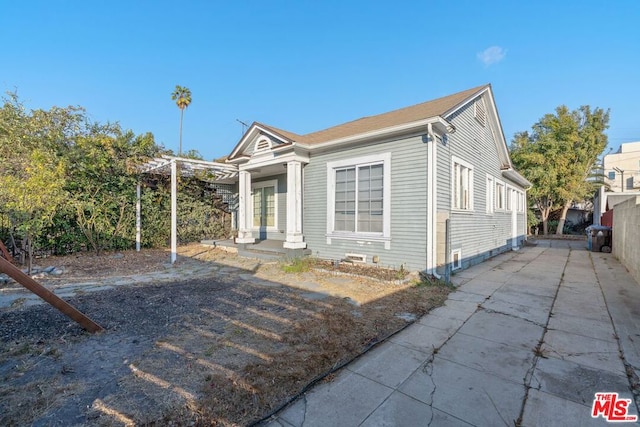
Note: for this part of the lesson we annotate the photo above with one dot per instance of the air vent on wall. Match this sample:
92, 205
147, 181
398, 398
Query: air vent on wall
356, 257
479, 112
263, 144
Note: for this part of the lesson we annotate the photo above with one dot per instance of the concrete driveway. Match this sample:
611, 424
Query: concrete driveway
527, 339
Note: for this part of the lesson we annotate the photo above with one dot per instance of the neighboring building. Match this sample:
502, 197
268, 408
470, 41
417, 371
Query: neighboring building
622, 169
380, 189
622, 179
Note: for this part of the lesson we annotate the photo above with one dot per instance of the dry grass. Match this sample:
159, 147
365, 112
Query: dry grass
314, 349
221, 349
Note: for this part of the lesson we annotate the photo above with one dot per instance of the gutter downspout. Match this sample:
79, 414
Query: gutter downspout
431, 202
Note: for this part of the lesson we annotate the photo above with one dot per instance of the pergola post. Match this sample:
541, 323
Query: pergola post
174, 210
138, 219
161, 165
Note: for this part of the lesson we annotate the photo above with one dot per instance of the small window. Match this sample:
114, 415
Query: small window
520, 201
456, 259
612, 175
500, 195
462, 176
490, 194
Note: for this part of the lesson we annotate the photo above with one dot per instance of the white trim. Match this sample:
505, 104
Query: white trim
502, 208
294, 236
437, 120
490, 192
385, 160
458, 161
509, 198
270, 158
244, 141
244, 208
263, 184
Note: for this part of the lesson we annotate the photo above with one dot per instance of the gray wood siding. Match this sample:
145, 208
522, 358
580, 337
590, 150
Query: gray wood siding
408, 205
477, 233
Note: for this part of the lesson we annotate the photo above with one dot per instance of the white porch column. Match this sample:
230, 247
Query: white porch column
244, 209
295, 239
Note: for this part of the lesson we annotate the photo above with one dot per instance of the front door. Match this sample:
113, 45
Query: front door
264, 209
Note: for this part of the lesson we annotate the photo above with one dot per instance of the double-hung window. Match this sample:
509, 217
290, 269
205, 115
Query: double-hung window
359, 197
500, 195
462, 185
490, 194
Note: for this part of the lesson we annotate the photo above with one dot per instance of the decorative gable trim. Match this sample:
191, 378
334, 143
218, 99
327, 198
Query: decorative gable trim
263, 138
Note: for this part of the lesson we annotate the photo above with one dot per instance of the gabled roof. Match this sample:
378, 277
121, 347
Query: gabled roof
437, 108
434, 108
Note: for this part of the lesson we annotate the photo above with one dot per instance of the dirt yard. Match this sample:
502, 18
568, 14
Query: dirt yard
228, 343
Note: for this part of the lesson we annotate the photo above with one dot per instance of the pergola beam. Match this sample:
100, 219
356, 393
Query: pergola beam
170, 165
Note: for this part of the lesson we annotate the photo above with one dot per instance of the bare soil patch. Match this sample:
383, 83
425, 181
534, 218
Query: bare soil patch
223, 348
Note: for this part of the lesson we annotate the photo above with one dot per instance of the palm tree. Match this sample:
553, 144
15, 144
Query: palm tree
182, 96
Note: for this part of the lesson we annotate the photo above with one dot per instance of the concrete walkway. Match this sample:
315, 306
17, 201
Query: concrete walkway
527, 339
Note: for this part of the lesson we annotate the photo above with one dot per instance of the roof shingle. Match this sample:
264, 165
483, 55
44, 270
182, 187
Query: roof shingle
425, 110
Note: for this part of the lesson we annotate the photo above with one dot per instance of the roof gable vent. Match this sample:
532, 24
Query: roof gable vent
479, 111
263, 144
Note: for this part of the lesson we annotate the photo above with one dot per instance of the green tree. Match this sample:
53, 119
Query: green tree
32, 174
102, 183
182, 96
558, 157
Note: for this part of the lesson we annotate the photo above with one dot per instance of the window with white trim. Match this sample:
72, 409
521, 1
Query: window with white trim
462, 185
358, 196
500, 195
509, 198
520, 201
490, 194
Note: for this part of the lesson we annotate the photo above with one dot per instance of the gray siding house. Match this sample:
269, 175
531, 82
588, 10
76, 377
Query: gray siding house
420, 187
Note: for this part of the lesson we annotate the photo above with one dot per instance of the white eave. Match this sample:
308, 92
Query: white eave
514, 176
443, 125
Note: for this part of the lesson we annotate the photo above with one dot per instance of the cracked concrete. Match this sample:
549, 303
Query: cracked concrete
527, 339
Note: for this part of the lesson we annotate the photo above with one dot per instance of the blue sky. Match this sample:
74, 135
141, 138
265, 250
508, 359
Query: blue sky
308, 65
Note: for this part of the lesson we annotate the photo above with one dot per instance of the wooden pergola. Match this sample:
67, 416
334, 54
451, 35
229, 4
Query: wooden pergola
216, 172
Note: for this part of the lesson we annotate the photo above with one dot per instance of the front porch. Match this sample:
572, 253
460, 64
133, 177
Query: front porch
270, 250
270, 188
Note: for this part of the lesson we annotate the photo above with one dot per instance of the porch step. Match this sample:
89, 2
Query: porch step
260, 254
271, 254
270, 250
